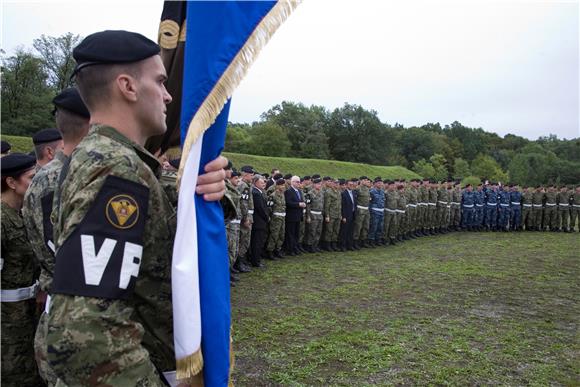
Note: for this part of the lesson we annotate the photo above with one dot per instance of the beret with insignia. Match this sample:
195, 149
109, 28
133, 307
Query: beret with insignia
287, 176
46, 135
280, 181
386, 181
354, 179
363, 178
326, 178
378, 179
5, 146
316, 180
71, 100
306, 178
316, 176
247, 169
266, 175
16, 164
113, 47
236, 174
341, 181
277, 176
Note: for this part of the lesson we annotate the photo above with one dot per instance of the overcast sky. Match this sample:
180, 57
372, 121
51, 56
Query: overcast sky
504, 66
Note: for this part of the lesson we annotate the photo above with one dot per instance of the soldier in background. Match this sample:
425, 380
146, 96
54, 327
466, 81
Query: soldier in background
455, 218
233, 223
515, 208
564, 197
18, 278
491, 200
413, 196
331, 214
575, 209
277, 228
503, 208
247, 212
305, 186
467, 207
401, 210
314, 208
5, 148
377, 209
362, 217
550, 209
442, 203
47, 143
538, 207
391, 225
479, 200
527, 209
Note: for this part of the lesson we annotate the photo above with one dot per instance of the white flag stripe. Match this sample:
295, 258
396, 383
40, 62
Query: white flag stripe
184, 270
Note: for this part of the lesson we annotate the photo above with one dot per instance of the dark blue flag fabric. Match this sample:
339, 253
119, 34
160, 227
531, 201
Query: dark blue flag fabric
222, 39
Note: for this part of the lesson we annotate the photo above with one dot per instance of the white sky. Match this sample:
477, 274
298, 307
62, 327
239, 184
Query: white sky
505, 66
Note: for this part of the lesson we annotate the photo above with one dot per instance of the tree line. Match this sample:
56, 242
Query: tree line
32, 77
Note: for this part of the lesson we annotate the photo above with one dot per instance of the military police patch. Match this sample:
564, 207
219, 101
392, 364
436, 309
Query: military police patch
102, 256
122, 211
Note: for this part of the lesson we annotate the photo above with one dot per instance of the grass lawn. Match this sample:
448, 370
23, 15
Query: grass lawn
458, 309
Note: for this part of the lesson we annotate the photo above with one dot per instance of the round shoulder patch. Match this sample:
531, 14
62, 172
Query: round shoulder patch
122, 211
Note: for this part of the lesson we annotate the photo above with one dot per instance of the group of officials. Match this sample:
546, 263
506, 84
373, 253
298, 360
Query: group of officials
288, 215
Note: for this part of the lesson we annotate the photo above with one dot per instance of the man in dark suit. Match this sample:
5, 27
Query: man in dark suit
295, 206
260, 225
348, 199
272, 180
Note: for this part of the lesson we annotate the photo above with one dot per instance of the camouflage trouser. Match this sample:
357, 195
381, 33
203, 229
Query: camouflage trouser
563, 218
491, 216
390, 228
233, 234
550, 217
330, 230
468, 216
455, 216
574, 214
245, 238
314, 230
17, 340
401, 219
526, 217
361, 224
421, 211
412, 217
503, 216
41, 353
276, 233
431, 216
478, 215
537, 213
302, 230
441, 215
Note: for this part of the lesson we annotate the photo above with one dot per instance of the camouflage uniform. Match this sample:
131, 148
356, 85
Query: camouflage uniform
362, 218
550, 211
442, 208
391, 225
37, 211
247, 209
331, 203
455, 218
423, 207
563, 210
112, 322
314, 208
277, 204
537, 205
233, 224
527, 220
18, 317
413, 196
575, 210
401, 209
432, 209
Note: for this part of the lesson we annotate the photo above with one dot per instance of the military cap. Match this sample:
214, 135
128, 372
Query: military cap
71, 100
316, 176
229, 166
235, 173
316, 180
287, 176
5, 146
247, 169
386, 181
280, 181
175, 163
354, 179
341, 181
277, 176
15, 164
113, 47
266, 175
46, 135
377, 179
32, 154
363, 178
306, 178
326, 178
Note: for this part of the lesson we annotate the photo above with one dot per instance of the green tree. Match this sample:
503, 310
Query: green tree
269, 139
26, 97
237, 138
438, 163
424, 168
57, 59
485, 167
461, 168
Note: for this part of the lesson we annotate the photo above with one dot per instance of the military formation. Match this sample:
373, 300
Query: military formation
88, 223
341, 215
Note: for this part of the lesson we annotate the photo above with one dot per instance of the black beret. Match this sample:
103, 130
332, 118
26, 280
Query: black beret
5, 146
15, 164
354, 179
46, 135
316, 176
280, 181
175, 163
113, 47
341, 181
316, 180
266, 175
229, 166
363, 178
247, 169
326, 178
235, 174
287, 176
71, 100
306, 178
378, 179
277, 176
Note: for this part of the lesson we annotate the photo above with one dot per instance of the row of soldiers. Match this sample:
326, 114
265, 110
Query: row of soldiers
386, 212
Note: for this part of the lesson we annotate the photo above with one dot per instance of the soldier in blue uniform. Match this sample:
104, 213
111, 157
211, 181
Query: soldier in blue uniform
479, 197
491, 199
503, 209
376, 209
467, 208
516, 208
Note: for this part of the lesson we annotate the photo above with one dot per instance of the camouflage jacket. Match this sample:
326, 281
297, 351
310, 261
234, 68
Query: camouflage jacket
36, 212
247, 201
110, 319
363, 196
277, 202
332, 204
314, 202
236, 198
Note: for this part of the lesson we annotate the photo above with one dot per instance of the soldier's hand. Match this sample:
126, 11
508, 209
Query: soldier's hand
40, 301
308, 220
302, 205
343, 220
247, 223
211, 184
327, 219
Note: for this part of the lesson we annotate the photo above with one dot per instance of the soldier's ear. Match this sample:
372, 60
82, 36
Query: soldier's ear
11, 182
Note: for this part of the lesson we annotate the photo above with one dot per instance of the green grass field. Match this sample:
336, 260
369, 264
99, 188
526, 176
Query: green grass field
458, 309
265, 164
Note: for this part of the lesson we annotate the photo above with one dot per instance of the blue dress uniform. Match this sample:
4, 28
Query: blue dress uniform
377, 211
503, 210
516, 210
468, 210
479, 197
491, 199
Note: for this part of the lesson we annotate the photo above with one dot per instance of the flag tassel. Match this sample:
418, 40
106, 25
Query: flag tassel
190, 365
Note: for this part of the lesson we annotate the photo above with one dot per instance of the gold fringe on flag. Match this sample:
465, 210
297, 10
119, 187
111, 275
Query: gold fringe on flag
189, 366
231, 78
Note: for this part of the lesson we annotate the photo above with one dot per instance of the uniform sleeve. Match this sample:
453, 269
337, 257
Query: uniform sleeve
92, 338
